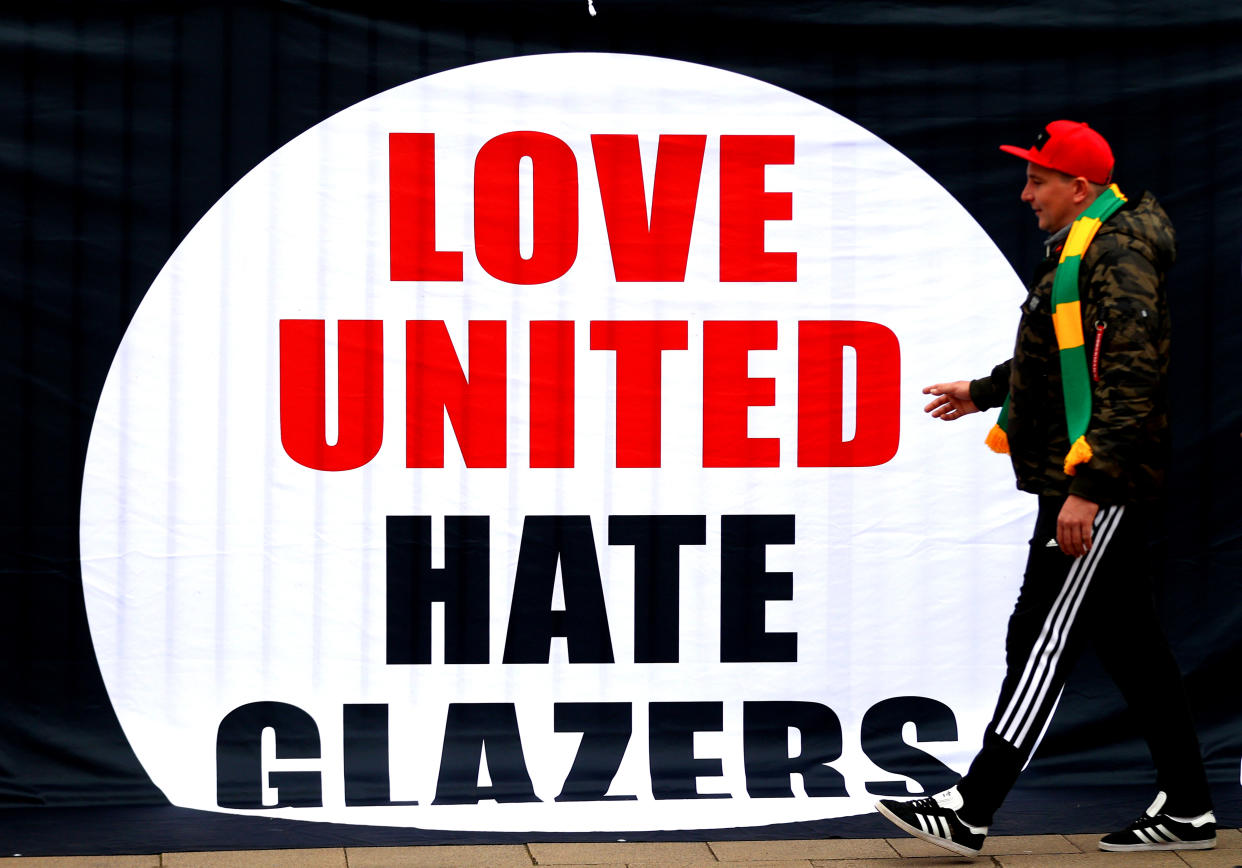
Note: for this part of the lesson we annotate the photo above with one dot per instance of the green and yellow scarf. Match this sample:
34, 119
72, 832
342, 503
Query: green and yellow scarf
1067, 321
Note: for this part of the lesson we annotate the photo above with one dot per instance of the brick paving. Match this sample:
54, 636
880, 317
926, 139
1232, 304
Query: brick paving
1001, 851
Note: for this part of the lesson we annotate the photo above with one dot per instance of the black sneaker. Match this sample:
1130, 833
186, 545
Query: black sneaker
1157, 831
935, 820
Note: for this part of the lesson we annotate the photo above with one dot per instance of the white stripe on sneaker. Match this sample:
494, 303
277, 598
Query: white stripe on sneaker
1163, 831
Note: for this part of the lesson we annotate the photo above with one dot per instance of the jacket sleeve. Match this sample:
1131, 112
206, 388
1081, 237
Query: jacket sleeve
990, 391
1127, 402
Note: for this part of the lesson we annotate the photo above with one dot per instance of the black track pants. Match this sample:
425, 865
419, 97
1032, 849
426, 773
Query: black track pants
1104, 598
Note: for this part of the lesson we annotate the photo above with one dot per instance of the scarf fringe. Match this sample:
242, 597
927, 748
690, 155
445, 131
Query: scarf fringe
997, 440
1080, 453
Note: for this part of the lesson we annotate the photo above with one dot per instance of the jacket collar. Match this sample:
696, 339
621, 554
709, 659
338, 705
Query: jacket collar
1054, 242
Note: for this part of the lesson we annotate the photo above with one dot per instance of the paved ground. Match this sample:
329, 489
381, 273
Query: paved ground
1019, 851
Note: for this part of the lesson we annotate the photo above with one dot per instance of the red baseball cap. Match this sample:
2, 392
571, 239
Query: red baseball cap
1070, 147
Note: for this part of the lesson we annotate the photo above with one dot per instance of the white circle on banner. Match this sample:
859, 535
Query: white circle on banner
222, 568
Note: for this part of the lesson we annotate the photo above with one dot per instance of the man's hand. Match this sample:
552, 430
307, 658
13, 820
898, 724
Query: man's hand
1074, 525
952, 400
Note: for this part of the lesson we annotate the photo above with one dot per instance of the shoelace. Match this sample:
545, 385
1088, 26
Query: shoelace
1145, 821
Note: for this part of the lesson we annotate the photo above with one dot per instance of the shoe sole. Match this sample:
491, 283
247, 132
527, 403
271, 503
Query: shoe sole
1171, 845
951, 846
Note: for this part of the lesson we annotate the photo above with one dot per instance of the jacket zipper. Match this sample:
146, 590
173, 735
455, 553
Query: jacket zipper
1100, 325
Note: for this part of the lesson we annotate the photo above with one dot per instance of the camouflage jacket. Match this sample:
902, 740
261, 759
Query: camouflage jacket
1125, 322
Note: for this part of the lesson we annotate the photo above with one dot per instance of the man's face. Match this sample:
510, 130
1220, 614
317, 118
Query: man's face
1053, 197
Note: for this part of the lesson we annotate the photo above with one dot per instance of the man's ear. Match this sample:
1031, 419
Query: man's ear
1082, 189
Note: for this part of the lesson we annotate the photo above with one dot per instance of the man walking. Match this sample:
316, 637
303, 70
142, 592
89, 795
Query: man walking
1084, 419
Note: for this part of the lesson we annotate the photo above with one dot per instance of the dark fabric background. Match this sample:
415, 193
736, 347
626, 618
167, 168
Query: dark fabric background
123, 122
